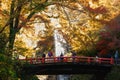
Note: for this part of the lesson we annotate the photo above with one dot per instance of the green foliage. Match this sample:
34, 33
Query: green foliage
3, 42
114, 74
7, 71
30, 77
40, 7
91, 52
81, 77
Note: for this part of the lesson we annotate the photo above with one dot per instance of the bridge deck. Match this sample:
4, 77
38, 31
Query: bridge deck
67, 65
66, 68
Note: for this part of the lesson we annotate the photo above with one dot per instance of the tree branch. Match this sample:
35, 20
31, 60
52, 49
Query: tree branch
4, 28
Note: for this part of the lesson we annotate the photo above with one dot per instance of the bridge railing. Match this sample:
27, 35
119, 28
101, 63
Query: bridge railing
76, 59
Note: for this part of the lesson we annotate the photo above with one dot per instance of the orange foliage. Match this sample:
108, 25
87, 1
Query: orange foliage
103, 52
98, 10
48, 42
42, 17
23, 19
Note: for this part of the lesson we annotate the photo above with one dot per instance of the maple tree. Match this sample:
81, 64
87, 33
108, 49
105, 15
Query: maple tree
110, 38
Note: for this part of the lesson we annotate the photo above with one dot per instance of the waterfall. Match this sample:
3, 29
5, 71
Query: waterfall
59, 43
60, 47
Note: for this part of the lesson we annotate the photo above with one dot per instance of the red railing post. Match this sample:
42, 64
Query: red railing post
111, 61
88, 59
31, 61
77, 59
43, 60
99, 60
64, 59
54, 59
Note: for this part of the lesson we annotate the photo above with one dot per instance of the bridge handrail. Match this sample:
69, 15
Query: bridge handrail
77, 59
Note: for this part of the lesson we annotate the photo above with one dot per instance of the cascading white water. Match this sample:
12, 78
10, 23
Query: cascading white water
59, 48
59, 43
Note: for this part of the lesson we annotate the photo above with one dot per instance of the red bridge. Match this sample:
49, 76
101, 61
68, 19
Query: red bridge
68, 65
76, 59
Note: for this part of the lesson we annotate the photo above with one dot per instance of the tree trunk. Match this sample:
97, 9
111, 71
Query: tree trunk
12, 35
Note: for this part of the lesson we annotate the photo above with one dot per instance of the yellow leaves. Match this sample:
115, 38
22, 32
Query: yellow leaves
93, 4
42, 17
78, 25
5, 4
21, 48
84, 2
39, 1
112, 9
116, 2
63, 21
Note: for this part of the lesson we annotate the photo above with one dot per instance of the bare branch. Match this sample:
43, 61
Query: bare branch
5, 26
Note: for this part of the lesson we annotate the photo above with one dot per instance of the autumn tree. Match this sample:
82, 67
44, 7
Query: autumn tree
19, 14
15, 14
83, 24
87, 20
80, 23
110, 38
109, 35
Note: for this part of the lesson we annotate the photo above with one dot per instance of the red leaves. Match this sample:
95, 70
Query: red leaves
111, 45
105, 35
114, 26
98, 10
102, 47
103, 52
110, 39
101, 44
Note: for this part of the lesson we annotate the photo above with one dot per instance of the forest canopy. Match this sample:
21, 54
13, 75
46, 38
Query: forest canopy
89, 27
81, 22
